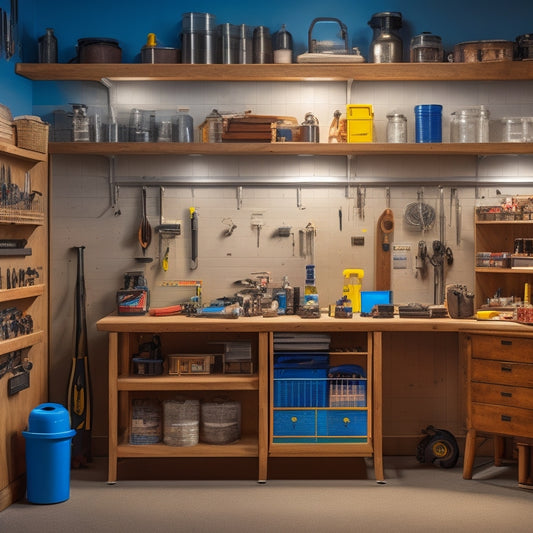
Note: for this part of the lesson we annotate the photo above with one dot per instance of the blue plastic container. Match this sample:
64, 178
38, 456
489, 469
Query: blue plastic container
428, 123
48, 442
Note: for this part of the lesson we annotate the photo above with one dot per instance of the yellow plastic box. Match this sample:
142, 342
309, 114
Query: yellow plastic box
360, 120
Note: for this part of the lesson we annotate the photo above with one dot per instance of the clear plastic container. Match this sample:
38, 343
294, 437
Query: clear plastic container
513, 130
470, 125
182, 126
214, 127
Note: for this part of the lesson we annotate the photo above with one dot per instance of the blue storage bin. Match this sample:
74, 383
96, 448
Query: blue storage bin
342, 422
301, 423
300, 388
301, 359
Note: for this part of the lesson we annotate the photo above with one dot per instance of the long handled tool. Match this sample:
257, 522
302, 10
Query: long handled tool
385, 227
194, 238
79, 387
145, 230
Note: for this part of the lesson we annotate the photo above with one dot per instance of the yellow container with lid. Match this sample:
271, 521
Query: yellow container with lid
360, 123
352, 287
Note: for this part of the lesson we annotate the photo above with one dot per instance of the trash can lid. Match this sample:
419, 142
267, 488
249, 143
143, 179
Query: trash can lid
49, 418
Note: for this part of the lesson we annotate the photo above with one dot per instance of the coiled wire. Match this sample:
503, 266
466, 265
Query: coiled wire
419, 216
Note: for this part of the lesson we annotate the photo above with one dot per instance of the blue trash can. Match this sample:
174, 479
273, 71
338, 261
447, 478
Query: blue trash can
48, 443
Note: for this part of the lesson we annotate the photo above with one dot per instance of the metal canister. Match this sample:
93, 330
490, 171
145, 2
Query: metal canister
386, 45
48, 47
309, 129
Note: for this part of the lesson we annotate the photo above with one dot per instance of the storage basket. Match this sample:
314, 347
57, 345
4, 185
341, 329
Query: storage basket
220, 421
181, 422
31, 134
145, 421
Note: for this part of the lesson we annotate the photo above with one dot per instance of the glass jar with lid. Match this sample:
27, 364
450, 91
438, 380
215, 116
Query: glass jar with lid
396, 128
426, 48
470, 125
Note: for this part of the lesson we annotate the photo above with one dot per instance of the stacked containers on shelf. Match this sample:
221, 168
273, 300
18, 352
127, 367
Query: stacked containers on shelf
198, 38
428, 123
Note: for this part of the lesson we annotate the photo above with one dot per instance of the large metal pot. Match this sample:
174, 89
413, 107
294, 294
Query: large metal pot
99, 50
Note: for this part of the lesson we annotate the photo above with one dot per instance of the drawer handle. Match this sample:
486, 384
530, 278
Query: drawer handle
506, 343
506, 418
506, 394
506, 369
294, 419
346, 421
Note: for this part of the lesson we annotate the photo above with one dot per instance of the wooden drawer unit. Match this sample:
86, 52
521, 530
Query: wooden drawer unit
502, 420
499, 388
501, 348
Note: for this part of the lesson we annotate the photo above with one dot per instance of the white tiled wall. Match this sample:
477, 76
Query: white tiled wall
82, 213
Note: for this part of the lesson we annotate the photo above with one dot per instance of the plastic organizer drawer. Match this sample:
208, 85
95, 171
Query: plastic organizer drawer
342, 422
297, 423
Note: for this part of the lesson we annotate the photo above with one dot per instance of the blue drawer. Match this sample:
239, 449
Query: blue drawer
342, 422
294, 423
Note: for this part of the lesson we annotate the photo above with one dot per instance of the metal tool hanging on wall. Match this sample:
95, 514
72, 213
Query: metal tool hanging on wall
167, 230
194, 238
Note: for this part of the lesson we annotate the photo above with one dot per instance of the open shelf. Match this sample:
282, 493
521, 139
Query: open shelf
7, 295
289, 148
506, 70
247, 446
207, 382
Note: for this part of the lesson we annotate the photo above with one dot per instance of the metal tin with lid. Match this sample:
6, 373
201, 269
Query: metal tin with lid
426, 48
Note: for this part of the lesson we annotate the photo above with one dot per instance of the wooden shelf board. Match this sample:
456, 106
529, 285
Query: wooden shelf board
24, 341
19, 293
508, 70
20, 153
247, 446
207, 382
489, 222
291, 148
505, 271
357, 449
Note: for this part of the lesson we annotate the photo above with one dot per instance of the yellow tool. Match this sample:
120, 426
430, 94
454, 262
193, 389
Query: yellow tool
352, 287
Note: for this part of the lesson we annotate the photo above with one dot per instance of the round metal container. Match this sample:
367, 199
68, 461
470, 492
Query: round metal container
99, 50
159, 54
483, 51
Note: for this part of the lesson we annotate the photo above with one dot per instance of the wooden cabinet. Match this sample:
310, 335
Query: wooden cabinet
498, 236
314, 413
358, 427
500, 389
191, 338
23, 354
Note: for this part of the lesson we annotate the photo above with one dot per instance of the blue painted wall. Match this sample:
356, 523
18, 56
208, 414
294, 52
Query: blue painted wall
130, 21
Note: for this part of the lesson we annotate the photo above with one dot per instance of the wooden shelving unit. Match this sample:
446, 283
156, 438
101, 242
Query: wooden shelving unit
498, 236
31, 300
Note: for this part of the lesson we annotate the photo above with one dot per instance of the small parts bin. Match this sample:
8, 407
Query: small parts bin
360, 121
48, 444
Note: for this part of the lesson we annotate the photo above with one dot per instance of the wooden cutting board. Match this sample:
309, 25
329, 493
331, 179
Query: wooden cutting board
383, 266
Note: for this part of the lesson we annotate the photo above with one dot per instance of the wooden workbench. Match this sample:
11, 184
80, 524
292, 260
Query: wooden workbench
417, 370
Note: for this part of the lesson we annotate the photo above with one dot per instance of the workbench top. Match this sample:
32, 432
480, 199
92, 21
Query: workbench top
179, 323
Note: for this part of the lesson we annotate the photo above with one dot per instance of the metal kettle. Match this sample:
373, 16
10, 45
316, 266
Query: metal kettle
386, 45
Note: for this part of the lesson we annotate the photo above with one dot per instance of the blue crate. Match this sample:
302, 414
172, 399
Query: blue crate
295, 423
300, 388
342, 422
301, 359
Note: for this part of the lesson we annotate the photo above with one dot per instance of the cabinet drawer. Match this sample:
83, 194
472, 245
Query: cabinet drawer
519, 349
502, 395
502, 420
502, 372
342, 423
295, 423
